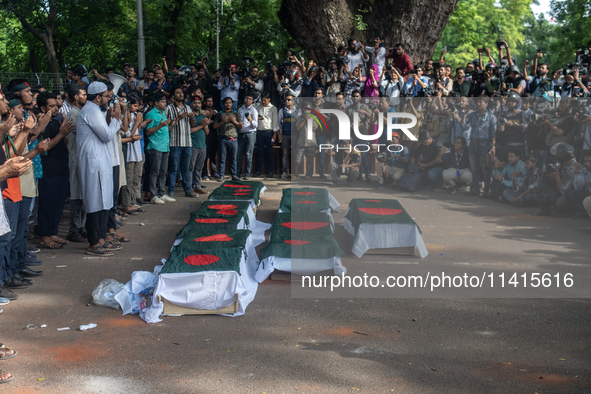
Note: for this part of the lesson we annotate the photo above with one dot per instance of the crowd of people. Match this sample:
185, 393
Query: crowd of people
488, 129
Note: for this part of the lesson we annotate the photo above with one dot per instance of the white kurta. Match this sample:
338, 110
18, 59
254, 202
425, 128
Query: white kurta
95, 165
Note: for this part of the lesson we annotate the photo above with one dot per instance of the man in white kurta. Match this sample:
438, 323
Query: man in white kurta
95, 165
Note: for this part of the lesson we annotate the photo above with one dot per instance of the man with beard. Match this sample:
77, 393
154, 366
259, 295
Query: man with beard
365, 118
94, 135
77, 232
541, 83
211, 140
401, 59
253, 85
357, 55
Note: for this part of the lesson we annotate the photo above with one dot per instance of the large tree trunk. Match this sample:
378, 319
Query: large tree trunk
323, 25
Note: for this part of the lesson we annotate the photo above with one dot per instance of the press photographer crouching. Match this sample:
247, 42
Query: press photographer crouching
524, 193
390, 165
457, 164
428, 157
581, 185
557, 182
507, 175
346, 162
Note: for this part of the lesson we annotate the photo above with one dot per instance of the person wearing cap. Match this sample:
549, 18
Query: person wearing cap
95, 166
229, 85
395, 161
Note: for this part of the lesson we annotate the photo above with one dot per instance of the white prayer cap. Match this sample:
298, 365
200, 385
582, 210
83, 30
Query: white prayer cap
96, 88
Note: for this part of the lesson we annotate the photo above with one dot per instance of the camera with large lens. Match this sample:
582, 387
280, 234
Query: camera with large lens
226, 70
550, 168
381, 157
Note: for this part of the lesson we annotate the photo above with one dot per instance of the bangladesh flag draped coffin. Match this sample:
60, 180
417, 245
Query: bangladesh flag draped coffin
376, 211
238, 190
303, 236
207, 250
304, 199
217, 215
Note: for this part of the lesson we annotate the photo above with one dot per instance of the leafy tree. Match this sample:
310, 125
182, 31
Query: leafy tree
480, 23
574, 24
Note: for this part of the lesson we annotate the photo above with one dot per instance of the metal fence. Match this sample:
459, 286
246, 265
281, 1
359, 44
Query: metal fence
47, 80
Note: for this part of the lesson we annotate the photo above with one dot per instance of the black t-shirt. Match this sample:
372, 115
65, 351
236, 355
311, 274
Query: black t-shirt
55, 162
426, 154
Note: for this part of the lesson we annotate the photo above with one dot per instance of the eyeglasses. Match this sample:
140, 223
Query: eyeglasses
332, 64
288, 100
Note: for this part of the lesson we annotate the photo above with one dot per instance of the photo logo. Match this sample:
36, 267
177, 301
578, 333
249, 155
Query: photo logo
345, 125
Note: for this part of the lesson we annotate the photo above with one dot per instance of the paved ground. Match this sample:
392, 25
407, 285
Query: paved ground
286, 345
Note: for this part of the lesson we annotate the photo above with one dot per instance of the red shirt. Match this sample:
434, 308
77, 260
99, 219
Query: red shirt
402, 63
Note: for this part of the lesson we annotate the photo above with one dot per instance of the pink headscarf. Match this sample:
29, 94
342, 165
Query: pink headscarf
370, 89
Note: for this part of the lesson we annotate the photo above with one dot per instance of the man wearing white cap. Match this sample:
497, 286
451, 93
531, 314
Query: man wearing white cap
94, 133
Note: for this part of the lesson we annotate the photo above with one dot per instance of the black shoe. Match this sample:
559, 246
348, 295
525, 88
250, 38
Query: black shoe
17, 282
257, 174
235, 178
27, 272
323, 176
7, 293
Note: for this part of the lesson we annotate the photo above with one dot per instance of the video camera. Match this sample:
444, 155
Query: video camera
585, 56
572, 66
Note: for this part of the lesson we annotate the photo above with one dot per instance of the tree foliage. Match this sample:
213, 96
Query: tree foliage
480, 23
103, 33
573, 18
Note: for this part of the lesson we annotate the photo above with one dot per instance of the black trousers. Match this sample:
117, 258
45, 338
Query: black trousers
53, 191
113, 211
96, 223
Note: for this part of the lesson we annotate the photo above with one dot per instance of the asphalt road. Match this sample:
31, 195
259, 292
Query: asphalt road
321, 345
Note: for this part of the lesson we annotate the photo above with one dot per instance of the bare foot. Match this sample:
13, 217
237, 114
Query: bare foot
49, 243
5, 376
59, 240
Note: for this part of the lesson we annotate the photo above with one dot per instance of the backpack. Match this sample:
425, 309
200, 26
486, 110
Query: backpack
411, 181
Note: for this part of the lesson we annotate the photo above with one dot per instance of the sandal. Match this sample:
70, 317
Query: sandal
109, 245
76, 238
5, 356
43, 246
99, 251
8, 379
120, 239
140, 210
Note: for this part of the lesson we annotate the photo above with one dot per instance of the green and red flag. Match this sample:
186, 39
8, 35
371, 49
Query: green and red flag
306, 199
303, 235
216, 215
374, 211
206, 250
238, 190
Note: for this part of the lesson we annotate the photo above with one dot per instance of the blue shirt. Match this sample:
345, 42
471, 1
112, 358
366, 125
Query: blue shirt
165, 86
229, 89
507, 173
417, 88
482, 128
397, 162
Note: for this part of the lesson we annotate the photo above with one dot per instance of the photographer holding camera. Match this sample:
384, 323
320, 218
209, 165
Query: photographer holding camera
440, 83
270, 81
514, 83
291, 83
333, 77
392, 164
571, 85
540, 84
556, 184
229, 85
252, 84
353, 83
401, 59
357, 55
391, 82
314, 80
416, 82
